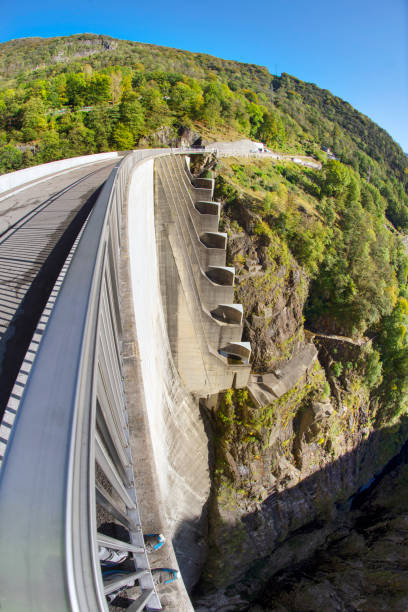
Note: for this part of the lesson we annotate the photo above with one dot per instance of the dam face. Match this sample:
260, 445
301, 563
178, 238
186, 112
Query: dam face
179, 445
188, 334
204, 325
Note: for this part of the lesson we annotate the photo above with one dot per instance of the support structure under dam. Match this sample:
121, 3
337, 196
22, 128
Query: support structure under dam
116, 315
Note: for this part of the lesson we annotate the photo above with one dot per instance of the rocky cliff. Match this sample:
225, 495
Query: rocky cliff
290, 450
362, 566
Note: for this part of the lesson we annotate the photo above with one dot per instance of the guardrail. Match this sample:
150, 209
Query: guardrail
69, 447
12, 180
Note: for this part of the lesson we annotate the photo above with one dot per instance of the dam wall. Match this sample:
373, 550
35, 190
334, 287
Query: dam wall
161, 331
203, 323
170, 444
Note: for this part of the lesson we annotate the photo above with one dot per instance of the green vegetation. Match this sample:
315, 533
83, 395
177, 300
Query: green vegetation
84, 97
132, 89
334, 223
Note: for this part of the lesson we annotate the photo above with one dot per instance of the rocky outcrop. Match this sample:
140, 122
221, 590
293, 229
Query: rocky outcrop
172, 136
265, 388
362, 566
165, 136
298, 443
270, 285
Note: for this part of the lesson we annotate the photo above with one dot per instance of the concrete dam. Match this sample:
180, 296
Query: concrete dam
117, 316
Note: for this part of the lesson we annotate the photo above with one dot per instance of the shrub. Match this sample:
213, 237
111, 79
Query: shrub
337, 368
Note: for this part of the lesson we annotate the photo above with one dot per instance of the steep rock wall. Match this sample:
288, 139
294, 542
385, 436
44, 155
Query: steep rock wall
362, 566
284, 469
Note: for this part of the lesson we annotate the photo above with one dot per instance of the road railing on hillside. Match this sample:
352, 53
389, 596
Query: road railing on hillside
251, 151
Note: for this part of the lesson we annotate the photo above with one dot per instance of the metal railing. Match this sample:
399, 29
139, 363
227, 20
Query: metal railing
69, 447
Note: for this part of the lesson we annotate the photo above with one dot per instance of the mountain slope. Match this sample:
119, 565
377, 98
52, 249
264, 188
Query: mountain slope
284, 111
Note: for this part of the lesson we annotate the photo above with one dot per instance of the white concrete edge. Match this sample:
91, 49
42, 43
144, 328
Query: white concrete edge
224, 234
246, 345
228, 268
238, 307
27, 175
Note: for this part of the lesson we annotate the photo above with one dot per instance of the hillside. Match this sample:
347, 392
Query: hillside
317, 265
86, 93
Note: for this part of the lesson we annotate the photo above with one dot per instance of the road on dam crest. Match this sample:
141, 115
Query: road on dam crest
38, 225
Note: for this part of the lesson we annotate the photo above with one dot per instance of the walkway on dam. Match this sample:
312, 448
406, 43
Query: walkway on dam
38, 225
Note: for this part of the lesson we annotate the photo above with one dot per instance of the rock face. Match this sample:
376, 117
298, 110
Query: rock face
361, 567
270, 285
269, 518
284, 464
165, 136
171, 136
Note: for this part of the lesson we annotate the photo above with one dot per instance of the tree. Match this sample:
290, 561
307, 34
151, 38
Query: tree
78, 139
99, 88
38, 89
184, 101
256, 114
271, 130
132, 114
10, 158
156, 110
57, 93
211, 109
76, 89
337, 178
393, 347
123, 138
101, 122
50, 146
34, 121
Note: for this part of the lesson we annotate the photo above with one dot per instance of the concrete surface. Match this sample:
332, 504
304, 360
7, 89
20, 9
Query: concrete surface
21, 177
14, 205
265, 388
189, 295
38, 236
169, 442
41, 217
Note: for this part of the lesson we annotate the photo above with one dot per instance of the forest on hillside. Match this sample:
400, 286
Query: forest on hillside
86, 94
69, 96
333, 223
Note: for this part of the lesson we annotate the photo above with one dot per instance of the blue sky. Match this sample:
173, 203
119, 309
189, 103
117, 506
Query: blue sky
358, 49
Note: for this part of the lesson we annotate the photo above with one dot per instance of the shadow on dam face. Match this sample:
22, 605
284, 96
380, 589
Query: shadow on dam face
190, 541
190, 547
